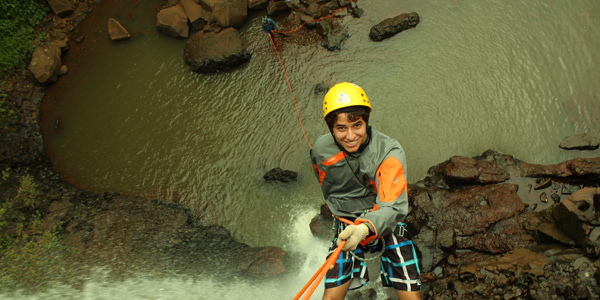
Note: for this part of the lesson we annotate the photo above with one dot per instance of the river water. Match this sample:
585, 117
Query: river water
516, 76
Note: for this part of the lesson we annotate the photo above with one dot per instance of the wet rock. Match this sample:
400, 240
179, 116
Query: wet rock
257, 4
464, 170
278, 7
321, 225
264, 262
392, 26
480, 218
126, 233
197, 15
544, 197
510, 275
551, 233
577, 167
446, 237
277, 174
63, 70
577, 217
320, 89
214, 52
335, 38
580, 141
581, 203
555, 197
207, 4
542, 183
568, 189
356, 11
62, 8
230, 13
63, 43
173, 21
116, 31
45, 63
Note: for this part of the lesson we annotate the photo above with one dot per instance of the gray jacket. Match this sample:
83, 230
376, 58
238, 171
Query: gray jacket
374, 178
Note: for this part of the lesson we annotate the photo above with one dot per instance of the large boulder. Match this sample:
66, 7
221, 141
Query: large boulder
61, 8
207, 4
209, 52
257, 4
230, 13
390, 27
116, 31
278, 7
579, 218
173, 21
335, 39
480, 218
197, 14
45, 63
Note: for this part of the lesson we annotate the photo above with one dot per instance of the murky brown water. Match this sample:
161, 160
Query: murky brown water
516, 77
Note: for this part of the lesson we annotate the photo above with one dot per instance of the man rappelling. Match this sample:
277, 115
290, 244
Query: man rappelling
268, 25
362, 174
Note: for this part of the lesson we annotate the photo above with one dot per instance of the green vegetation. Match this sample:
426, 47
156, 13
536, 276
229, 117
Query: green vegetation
30, 256
18, 19
5, 111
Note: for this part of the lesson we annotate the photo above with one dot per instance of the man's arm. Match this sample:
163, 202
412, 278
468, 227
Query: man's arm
392, 197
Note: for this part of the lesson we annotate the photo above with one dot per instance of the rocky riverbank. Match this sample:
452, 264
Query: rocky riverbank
495, 227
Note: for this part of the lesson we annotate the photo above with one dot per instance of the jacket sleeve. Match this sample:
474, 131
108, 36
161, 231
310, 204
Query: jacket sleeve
392, 199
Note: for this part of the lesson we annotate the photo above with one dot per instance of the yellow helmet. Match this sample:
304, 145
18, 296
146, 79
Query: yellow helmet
342, 95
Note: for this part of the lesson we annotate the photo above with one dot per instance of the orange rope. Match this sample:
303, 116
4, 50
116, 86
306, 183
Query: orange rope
279, 43
322, 270
291, 91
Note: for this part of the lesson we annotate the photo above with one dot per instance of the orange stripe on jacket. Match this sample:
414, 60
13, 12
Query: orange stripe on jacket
321, 174
391, 179
334, 159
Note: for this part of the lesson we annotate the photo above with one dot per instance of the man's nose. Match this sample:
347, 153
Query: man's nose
351, 134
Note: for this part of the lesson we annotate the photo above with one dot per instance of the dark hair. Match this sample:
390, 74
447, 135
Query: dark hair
354, 113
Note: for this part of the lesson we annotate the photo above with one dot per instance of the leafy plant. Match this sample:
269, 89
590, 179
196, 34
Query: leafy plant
30, 256
18, 19
33, 263
28, 191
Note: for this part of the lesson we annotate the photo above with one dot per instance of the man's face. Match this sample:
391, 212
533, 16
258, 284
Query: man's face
350, 134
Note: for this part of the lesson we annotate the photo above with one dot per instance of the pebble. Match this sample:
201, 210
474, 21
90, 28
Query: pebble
544, 197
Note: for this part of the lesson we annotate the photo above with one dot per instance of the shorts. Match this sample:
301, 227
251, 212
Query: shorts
399, 263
